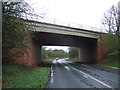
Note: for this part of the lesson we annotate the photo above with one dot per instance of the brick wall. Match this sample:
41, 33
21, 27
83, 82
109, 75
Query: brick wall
102, 51
26, 56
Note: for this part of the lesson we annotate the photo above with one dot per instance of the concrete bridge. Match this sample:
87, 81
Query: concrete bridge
48, 34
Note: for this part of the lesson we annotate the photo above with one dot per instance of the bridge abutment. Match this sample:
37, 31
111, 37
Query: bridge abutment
88, 53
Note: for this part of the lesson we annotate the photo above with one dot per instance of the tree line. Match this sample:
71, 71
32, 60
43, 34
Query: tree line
46, 54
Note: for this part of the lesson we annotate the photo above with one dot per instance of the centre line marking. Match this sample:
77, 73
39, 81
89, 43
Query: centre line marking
85, 76
67, 67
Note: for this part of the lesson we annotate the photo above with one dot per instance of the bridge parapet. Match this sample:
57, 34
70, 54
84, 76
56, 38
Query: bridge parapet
58, 29
70, 24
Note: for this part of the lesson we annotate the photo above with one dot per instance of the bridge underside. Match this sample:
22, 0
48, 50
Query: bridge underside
87, 46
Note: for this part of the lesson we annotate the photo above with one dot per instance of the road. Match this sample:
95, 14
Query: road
65, 74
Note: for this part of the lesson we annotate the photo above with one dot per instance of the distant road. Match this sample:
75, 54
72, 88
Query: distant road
65, 74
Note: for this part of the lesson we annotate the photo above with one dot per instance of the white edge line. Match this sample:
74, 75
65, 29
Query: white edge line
85, 65
51, 79
93, 78
51, 74
51, 67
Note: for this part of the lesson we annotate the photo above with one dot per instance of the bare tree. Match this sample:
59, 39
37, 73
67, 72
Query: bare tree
111, 20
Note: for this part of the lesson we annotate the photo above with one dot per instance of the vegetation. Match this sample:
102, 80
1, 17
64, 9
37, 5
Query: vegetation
24, 77
49, 60
111, 19
49, 55
74, 59
107, 61
14, 28
111, 40
14, 32
73, 54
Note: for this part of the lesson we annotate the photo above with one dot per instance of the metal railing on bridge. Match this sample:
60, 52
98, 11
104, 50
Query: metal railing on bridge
70, 24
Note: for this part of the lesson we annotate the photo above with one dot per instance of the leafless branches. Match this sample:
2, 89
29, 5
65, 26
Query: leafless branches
111, 19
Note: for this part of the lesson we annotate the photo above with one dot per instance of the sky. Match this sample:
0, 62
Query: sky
85, 12
65, 48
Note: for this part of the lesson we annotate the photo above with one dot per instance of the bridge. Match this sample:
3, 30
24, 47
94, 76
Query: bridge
58, 35
51, 34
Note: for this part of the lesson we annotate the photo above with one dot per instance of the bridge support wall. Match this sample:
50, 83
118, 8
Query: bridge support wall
88, 53
29, 56
101, 50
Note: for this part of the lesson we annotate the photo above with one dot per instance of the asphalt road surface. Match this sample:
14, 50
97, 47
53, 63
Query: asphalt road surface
65, 74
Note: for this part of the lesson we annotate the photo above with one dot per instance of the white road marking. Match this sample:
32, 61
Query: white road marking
92, 78
51, 74
52, 71
85, 76
67, 67
51, 79
85, 65
51, 67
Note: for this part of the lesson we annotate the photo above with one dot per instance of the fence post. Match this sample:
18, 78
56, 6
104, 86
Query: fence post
54, 21
69, 24
81, 26
101, 30
92, 28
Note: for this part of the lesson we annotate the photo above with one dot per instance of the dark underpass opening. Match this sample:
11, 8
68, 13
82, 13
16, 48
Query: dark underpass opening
86, 48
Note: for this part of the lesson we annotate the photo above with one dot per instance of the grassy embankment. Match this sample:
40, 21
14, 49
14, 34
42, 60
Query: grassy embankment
110, 43
49, 60
24, 77
74, 59
109, 63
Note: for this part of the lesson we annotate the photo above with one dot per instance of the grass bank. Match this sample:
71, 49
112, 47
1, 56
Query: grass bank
110, 62
49, 60
74, 59
24, 77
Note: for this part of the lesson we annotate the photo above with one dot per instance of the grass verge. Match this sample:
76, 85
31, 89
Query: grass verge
109, 62
49, 60
24, 77
113, 64
74, 59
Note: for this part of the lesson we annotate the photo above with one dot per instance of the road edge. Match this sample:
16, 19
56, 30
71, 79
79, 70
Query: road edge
109, 69
49, 77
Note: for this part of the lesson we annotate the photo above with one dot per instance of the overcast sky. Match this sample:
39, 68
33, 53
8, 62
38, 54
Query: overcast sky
86, 12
